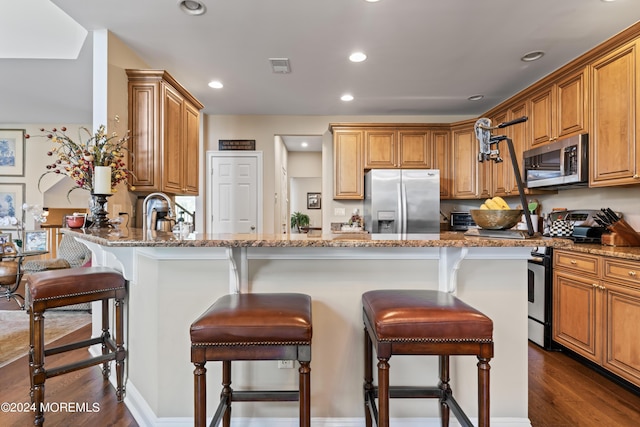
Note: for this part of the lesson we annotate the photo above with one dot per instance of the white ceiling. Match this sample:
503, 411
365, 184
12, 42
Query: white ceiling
424, 57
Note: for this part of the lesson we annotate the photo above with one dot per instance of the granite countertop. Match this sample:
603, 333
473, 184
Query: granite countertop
133, 237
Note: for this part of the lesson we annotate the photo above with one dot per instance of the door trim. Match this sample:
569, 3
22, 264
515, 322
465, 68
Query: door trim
211, 155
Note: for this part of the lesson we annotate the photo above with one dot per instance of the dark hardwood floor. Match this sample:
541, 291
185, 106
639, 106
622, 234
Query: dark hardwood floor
562, 393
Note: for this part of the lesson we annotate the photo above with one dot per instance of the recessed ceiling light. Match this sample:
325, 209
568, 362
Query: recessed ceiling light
357, 57
305, 144
215, 84
475, 97
608, 1
192, 7
347, 97
532, 56
372, 1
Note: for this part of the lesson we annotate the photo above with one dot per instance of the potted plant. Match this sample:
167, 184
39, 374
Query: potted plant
298, 220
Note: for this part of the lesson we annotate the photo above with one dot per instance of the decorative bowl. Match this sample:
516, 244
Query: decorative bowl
75, 221
492, 219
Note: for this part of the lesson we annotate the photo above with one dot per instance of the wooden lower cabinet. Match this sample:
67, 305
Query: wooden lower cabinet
596, 312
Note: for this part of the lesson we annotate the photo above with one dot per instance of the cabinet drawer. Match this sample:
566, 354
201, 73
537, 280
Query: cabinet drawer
626, 271
582, 263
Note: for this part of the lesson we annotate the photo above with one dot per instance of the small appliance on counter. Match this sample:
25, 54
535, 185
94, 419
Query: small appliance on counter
461, 221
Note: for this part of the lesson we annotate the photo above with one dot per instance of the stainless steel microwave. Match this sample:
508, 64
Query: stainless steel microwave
562, 163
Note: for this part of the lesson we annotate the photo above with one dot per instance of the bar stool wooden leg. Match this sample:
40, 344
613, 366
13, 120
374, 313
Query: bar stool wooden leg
227, 392
368, 377
383, 392
304, 384
38, 375
120, 352
446, 389
200, 389
483, 391
31, 328
106, 369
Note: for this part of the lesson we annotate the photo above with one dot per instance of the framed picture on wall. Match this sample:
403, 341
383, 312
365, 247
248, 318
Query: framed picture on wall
313, 200
11, 200
35, 241
12, 152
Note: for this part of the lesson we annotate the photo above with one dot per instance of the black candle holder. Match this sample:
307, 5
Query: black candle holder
100, 219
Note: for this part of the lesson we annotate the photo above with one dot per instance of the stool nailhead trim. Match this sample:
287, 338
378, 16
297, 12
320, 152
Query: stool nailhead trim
78, 293
484, 341
248, 344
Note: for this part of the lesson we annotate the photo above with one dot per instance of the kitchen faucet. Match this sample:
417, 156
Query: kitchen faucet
147, 216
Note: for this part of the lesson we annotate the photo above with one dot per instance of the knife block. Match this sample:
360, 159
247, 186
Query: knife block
613, 239
622, 235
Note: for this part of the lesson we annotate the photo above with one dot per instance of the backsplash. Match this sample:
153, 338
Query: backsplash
625, 200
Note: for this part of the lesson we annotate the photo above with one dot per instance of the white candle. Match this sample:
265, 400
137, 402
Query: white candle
102, 180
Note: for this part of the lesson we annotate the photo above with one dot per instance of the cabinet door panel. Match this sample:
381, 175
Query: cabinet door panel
144, 137
192, 144
173, 150
348, 170
464, 163
501, 182
414, 149
576, 316
541, 117
615, 138
571, 105
623, 346
441, 149
380, 149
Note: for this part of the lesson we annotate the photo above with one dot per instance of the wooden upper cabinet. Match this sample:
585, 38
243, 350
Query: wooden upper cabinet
415, 149
615, 137
380, 148
347, 164
441, 144
464, 161
164, 121
397, 148
542, 117
560, 109
572, 104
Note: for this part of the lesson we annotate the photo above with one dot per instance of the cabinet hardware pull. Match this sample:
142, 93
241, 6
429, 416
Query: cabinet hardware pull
602, 288
594, 285
632, 273
574, 262
636, 176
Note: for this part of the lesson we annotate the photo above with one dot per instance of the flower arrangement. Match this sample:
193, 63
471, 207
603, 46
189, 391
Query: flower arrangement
79, 159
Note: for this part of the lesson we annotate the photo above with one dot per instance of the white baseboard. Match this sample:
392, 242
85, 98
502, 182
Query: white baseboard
145, 417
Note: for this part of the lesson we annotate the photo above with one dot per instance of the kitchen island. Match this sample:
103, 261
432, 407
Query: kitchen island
173, 280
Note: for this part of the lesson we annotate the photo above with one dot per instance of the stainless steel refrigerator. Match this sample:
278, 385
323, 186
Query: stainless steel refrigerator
402, 201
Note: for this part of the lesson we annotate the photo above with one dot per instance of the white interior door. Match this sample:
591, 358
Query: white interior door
234, 192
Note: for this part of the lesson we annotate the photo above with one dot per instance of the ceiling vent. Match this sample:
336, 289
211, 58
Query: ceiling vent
280, 65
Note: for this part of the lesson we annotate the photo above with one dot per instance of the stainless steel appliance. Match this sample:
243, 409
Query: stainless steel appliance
540, 281
560, 164
461, 221
158, 214
402, 201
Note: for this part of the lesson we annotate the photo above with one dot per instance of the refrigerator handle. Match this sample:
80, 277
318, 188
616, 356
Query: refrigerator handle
404, 208
399, 214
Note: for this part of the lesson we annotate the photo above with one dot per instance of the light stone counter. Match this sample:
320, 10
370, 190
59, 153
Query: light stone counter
172, 281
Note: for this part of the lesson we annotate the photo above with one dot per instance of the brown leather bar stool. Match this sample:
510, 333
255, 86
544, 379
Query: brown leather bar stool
57, 288
422, 322
273, 326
